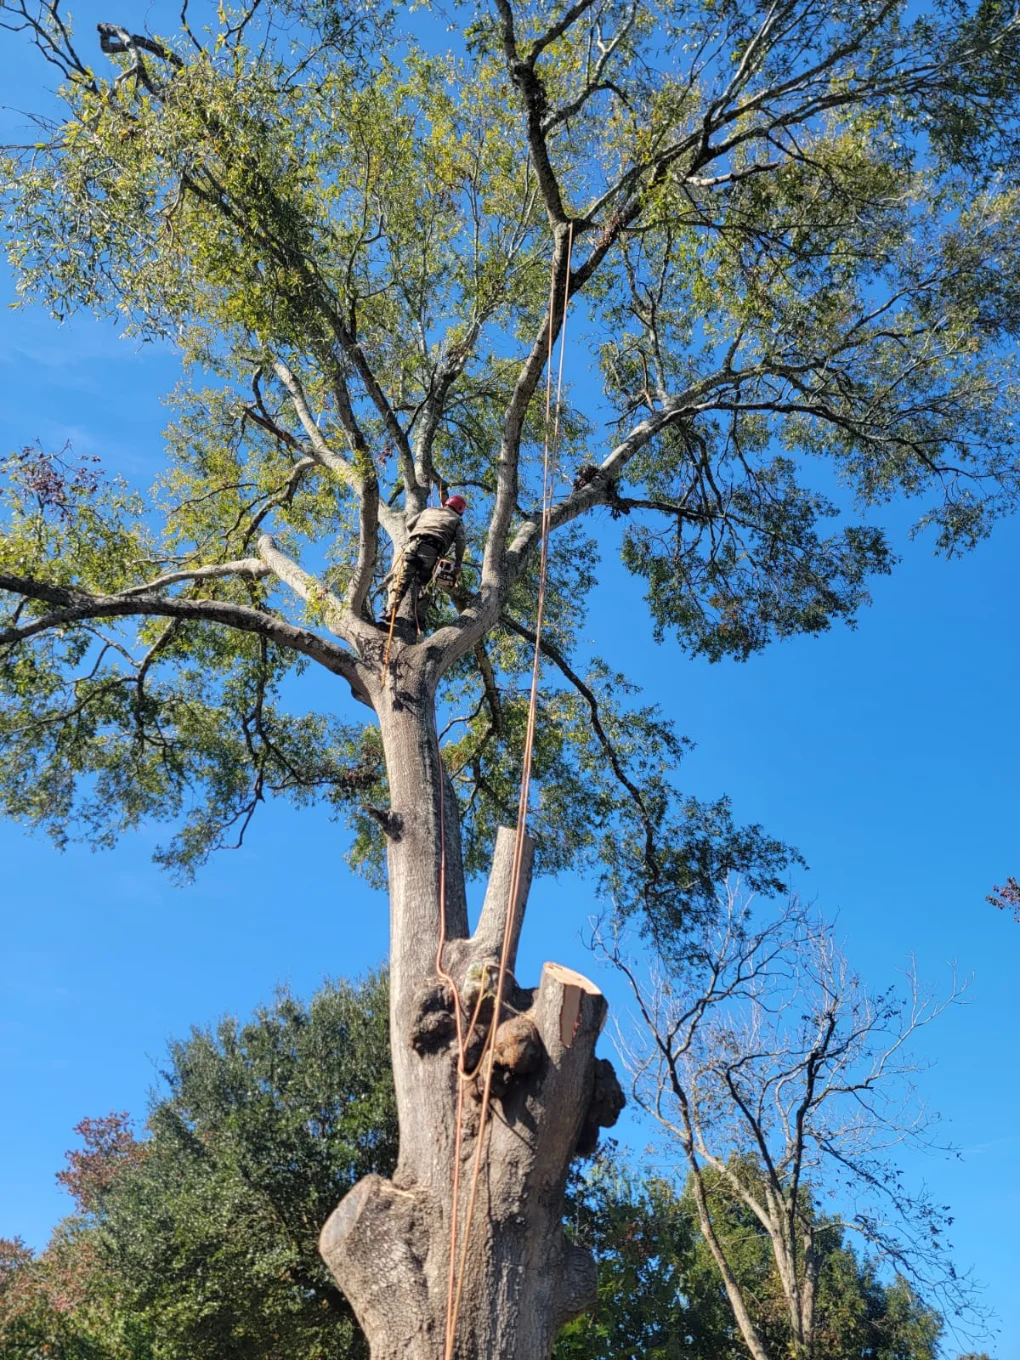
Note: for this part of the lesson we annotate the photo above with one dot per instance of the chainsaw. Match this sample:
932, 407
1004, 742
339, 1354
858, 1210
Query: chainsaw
445, 573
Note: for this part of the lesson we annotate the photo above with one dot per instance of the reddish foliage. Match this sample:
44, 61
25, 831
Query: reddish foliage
54, 480
109, 1147
38, 1292
22, 1293
71, 1270
56, 1281
13, 1255
1007, 897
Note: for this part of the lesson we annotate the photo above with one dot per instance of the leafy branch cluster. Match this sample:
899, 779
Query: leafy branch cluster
785, 233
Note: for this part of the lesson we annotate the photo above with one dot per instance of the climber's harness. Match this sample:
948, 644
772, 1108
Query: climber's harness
433, 540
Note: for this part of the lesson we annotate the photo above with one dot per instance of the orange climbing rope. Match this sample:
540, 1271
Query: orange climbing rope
456, 1274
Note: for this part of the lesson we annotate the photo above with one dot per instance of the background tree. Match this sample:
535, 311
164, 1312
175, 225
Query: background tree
40, 1315
780, 1079
786, 233
207, 1231
860, 1310
198, 1238
644, 1242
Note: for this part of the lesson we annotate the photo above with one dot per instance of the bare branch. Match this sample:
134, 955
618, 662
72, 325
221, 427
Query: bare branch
320, 449
532, 91
305, 586
494, 566
778, 1072
251, 567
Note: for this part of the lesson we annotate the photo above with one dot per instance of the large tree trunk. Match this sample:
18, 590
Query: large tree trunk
388, 1242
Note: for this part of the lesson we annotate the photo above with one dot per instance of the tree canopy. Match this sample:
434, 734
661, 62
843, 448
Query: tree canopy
200, 1239
776, 241
787, 238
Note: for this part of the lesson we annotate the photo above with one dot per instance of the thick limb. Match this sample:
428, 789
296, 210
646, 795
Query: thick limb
73, 606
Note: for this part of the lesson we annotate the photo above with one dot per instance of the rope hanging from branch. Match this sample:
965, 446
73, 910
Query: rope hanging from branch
455, 1281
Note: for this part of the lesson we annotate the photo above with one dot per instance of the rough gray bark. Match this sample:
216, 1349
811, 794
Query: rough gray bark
388, 1242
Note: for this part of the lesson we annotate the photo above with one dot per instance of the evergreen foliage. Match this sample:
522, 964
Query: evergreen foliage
197, 1240
660, 1295
200, 1240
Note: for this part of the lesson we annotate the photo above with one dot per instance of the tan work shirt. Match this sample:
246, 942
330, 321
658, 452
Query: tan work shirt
444, 524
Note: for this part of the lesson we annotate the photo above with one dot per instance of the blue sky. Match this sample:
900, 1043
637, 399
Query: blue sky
888, 755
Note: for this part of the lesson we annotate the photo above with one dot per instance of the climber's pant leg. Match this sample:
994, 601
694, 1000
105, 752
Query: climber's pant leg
416, 566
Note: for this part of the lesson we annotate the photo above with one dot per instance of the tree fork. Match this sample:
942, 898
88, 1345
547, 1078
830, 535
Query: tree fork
388, 1241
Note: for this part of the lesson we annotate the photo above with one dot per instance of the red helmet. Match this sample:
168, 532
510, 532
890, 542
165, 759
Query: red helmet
457, 503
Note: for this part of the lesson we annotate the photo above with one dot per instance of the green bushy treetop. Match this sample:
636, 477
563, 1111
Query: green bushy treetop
788, 234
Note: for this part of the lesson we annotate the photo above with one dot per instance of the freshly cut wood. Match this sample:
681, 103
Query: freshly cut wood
388, 1242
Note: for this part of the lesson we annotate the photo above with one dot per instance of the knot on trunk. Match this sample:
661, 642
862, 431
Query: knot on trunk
433, 1025
578, 1285
391, 822
517, 1050
604, 1108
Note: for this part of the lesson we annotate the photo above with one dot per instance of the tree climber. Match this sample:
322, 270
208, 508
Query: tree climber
431, 534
